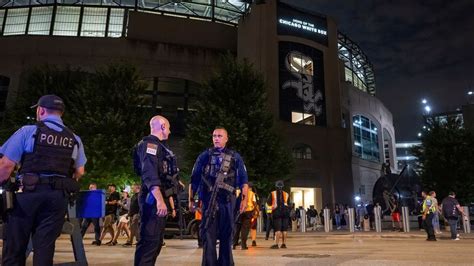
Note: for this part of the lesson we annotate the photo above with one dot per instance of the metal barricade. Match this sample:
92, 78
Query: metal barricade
303, 220
466, 221
327, 220
406, 219
378, 218
351, 219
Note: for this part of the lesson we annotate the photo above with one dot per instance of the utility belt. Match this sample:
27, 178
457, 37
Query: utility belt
31, 181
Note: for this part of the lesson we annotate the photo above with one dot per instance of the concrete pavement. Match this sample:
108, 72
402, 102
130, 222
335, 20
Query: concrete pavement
312, 248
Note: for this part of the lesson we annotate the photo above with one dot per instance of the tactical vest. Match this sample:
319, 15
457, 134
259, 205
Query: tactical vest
168, 159
52, 152
212, 168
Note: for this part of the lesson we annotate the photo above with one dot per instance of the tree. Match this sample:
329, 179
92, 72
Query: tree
446, 159
104, 108
234, 97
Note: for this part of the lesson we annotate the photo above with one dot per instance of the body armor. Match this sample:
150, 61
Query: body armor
52, 152
212, 168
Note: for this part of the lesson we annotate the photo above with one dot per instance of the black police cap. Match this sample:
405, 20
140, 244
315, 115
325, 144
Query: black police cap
51, 101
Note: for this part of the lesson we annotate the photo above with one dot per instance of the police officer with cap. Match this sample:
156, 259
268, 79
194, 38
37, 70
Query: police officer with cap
153, 161
203, 177
51, 159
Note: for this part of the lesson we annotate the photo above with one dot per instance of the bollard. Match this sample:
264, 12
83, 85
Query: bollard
351, 220
466, 221
260, 224
406, 219
378, 218
303, 220
327, 220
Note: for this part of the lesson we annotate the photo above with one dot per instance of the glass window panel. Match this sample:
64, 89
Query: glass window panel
67, 21
365, 136
2, 14
16, 21
303, 118
40, 21
300, 63
116, 23
93, 22
302, 151
348, 74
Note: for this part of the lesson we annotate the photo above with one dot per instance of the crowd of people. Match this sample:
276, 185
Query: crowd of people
121, 217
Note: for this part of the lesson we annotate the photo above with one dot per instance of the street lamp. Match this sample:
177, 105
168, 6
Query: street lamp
424, 101
428, 109
419, 134
470, 93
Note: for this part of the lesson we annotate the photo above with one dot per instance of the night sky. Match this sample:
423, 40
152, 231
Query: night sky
419, 48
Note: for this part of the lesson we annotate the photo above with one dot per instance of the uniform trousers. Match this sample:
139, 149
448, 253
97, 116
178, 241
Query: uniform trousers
428, 225
220, 228
151, 234
39, 214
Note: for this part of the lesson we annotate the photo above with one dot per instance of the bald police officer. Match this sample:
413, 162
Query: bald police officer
51, 159
204, 174
153, 161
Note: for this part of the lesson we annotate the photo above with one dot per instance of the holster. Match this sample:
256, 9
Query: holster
29, 182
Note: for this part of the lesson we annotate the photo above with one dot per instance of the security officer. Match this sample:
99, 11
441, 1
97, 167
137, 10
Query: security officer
153, 161
428, 210
204, 174
51, 159
278, 199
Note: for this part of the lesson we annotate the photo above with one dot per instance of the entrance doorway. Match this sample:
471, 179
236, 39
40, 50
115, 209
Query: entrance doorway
304, 196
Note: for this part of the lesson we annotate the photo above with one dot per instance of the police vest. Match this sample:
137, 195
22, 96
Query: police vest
52, 152
214, 164
268, 208
432, 207
168, 165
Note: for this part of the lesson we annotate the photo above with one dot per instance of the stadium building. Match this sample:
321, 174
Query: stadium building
321, 86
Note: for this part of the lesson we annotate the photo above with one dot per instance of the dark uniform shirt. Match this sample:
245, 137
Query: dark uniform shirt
202, 162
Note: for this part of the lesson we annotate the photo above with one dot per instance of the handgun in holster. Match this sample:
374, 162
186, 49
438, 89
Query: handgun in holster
9, 194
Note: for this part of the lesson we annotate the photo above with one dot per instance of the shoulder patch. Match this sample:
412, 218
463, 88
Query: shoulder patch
151, 148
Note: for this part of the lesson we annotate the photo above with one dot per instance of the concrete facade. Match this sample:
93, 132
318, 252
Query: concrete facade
188, 49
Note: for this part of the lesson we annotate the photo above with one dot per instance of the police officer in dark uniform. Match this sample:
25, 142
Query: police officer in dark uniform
153, 161
51, 159
204, 174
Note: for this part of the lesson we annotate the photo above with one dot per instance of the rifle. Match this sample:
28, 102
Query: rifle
219, 184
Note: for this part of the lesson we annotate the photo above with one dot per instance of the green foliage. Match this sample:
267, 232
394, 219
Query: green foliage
235, 98
446, 159
101, 107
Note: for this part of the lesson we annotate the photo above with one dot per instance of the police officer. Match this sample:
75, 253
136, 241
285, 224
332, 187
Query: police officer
279, 200
51, 159
427, 216
204, 174
153, 161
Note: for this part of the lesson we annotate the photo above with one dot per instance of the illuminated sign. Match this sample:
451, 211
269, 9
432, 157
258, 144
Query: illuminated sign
303, 25
298, 23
